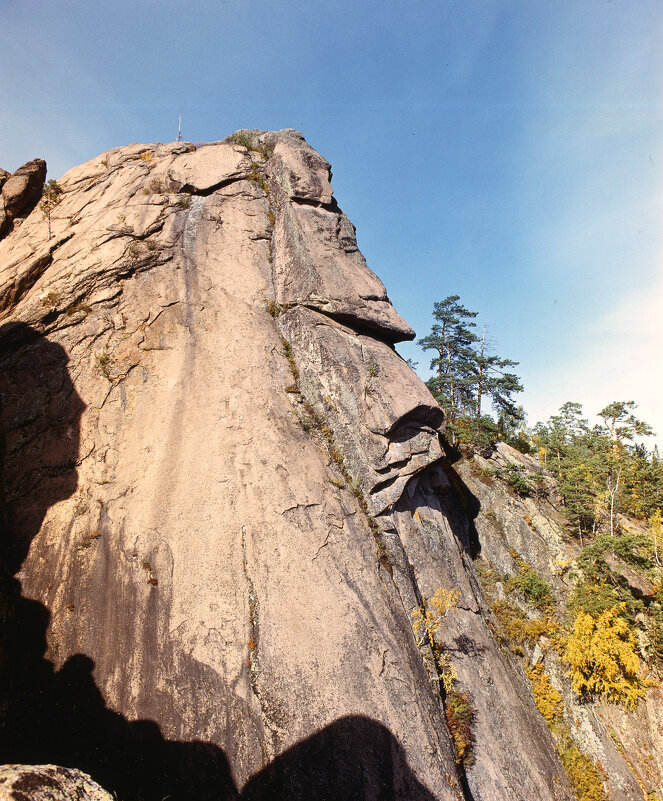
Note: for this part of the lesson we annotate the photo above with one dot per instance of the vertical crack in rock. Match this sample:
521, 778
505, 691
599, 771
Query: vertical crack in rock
194, 216
254, 621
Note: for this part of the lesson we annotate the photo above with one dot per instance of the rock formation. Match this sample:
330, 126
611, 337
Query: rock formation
20, 192
48, 783
226, 496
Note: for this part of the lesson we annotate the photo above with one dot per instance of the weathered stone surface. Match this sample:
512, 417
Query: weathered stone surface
48, 783
20, 192
203, 601
23, 189
639, 585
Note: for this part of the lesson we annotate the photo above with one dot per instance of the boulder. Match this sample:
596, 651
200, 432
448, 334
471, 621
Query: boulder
48, 783
23, 189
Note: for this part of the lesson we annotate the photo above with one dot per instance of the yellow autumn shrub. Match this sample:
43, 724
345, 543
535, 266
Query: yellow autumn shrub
427, 619
602, 656
548, 701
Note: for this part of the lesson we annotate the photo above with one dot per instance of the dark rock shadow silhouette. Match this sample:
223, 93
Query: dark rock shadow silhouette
465, 531
60, 716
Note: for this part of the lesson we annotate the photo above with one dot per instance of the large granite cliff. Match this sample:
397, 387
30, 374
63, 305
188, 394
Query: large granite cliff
226, 495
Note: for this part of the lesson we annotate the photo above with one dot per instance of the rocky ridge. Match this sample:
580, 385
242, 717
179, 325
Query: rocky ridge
226, 496
626, 745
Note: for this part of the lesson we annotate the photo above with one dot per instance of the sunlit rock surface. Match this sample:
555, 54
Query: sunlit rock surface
226, 495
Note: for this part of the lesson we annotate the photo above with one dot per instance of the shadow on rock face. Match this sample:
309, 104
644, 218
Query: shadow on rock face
465, 530
353, 758
40, 413
50, 716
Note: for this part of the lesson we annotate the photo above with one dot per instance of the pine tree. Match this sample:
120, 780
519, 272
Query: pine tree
453, 341
466, 373
493, 380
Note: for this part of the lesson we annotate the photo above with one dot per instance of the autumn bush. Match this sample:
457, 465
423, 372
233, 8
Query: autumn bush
580, 770
603, 659
548, 701
459, 713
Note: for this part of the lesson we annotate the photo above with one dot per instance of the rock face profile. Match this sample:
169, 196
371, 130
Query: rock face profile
226, 496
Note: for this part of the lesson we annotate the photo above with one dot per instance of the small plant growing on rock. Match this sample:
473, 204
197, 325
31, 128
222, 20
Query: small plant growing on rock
242, 138
373, 371
257, 177
51, 197
287, 348
151, 578
79, 307
103, 362
534, 588
50, 299
157, 186
273, 309
459, 713
88, 540
427, 618
147, 157
135, 250
514, 476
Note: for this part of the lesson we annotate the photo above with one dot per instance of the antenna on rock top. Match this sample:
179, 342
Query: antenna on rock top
179, 127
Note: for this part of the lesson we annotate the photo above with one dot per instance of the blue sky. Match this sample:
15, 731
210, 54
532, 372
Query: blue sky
508, 151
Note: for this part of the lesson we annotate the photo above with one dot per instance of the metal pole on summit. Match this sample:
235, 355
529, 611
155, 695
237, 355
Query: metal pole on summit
179, 127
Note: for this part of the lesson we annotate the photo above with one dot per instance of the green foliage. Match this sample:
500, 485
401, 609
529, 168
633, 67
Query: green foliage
520, 442
474, 430
621, 423
602, 470
514, 475
533, 587
655, 637
51, 197
594, 598
243, 139
601, 588
464, 372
